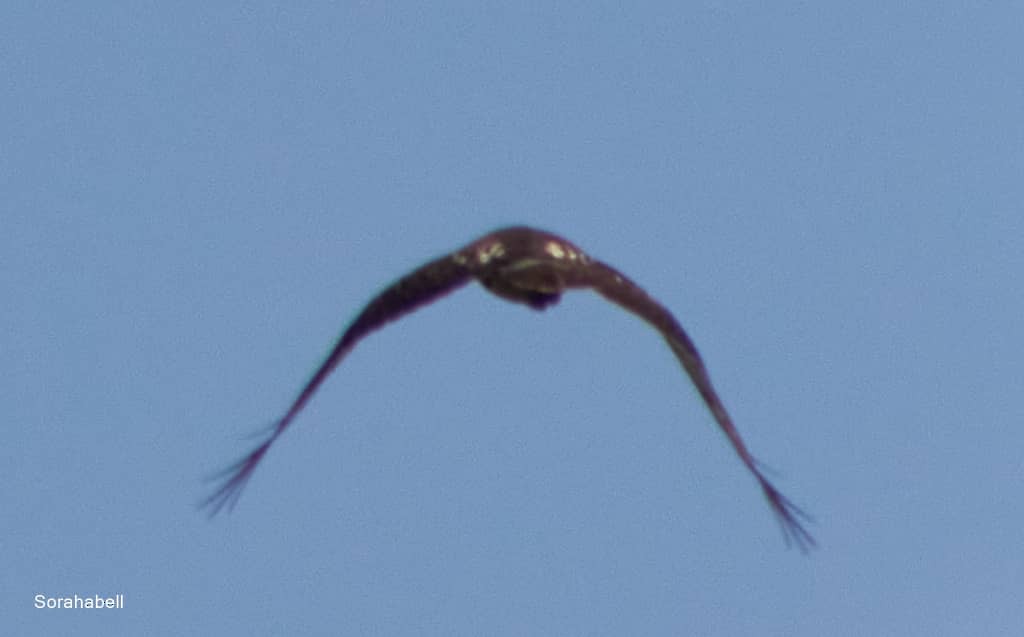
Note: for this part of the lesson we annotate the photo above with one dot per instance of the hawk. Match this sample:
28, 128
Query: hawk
532, 267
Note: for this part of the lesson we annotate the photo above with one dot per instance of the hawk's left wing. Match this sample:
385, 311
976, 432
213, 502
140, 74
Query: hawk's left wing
426, 284
618, 289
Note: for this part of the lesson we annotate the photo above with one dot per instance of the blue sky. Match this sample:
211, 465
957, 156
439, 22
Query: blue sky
197, 201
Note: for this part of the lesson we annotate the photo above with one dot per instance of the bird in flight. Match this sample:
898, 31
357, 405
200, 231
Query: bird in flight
532, 267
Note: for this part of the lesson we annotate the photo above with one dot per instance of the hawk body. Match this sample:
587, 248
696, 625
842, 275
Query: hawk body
531, 267
523, 265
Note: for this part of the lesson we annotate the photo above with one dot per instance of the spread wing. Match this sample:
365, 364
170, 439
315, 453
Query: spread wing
618, 289
426, 284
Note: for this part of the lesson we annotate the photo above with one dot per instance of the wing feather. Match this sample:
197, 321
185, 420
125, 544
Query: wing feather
618, 289
424, 285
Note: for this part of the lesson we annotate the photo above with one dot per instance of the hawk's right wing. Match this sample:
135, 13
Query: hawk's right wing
618, 289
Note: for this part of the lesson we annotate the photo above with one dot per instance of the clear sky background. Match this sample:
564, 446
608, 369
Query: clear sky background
196, 201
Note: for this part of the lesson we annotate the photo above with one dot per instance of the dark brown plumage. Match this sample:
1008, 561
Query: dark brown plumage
532, 267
